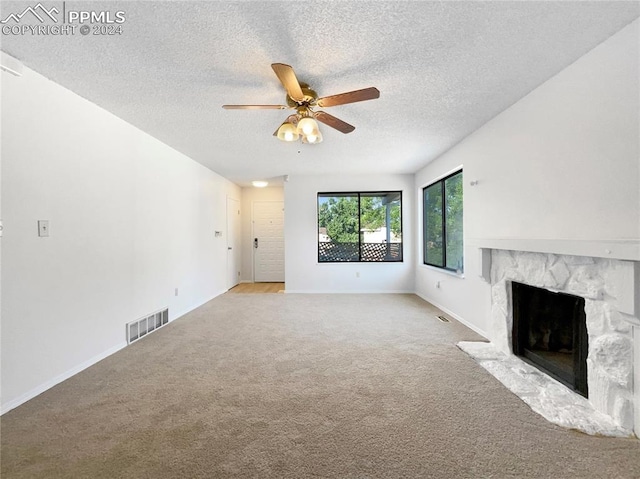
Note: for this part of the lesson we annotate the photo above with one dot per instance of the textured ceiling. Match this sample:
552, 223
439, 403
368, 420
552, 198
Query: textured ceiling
443, 69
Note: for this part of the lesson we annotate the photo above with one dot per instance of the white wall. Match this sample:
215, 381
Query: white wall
130, 220
559, 170
303, 272
249, 196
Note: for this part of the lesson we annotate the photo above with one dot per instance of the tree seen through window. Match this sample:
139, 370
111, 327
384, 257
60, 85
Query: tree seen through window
355, 227
442, 222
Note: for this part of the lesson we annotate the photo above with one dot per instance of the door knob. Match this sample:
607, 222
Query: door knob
255, 242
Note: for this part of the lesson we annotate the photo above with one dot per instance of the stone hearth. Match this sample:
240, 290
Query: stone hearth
544, 395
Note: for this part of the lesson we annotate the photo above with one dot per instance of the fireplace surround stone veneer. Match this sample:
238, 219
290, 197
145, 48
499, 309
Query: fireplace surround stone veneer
607, 285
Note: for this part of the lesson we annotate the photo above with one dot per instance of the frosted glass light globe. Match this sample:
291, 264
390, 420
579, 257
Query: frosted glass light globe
307, 126
288, 132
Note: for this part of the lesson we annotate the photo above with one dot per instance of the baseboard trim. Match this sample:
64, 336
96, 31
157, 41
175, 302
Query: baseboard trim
454, 316
182, 313
60, 378
23, 398
332, 291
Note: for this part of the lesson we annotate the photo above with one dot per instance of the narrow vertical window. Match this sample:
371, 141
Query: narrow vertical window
442, 223
433, 244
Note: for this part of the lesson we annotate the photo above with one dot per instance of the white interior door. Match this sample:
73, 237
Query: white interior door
268, 241
233, 242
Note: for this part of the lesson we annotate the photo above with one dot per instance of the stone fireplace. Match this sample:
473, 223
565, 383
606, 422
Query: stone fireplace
606, 287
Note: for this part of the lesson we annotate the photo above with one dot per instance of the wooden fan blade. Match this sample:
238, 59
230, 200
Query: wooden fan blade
333, 122
255, 107
289, 81
370, 93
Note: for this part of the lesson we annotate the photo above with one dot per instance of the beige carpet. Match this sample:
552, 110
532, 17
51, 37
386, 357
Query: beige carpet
344, 386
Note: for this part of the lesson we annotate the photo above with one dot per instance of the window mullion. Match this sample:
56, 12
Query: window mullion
444, 223
425, 225
359, 230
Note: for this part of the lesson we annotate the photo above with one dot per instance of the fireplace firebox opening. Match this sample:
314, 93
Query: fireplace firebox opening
550, 332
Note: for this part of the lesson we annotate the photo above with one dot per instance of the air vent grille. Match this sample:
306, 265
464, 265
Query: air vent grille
143, 326
443, 319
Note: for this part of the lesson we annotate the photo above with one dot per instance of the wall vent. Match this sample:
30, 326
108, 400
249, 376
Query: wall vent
143, 326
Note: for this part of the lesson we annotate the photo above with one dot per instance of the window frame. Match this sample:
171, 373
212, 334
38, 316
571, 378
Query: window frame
360, 242
442, 181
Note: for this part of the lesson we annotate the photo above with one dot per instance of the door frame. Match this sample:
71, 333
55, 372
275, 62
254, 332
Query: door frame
237, 244
253, 250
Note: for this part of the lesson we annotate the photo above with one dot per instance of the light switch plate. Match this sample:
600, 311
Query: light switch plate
43, 227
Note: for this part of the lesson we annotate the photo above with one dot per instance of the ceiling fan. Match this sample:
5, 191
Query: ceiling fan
304, 100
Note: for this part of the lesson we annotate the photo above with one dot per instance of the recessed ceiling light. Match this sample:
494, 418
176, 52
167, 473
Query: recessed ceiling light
259, 184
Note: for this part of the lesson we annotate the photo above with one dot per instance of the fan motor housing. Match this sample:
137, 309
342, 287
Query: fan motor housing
310, 96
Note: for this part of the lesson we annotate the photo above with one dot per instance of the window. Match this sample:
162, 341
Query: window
442, 223
360, 227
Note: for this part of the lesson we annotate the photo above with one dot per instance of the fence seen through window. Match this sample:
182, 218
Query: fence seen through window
360, 227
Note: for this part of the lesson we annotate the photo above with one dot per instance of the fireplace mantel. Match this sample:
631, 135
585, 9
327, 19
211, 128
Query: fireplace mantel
628, 250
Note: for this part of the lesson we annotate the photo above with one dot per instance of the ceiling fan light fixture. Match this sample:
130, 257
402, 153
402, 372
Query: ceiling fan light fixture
308, 126
302, 124
288, 132
312, 138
